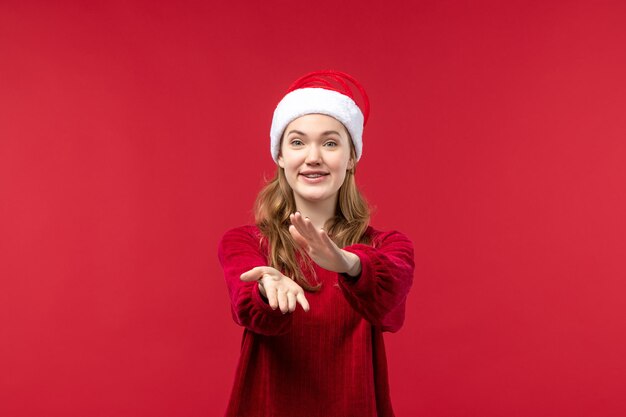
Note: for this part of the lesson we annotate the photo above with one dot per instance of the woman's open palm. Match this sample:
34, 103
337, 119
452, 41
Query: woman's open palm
318, 244
281, 291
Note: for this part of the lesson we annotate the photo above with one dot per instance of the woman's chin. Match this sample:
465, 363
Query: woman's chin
314, 197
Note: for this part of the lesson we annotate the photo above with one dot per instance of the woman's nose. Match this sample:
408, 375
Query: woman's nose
313, 156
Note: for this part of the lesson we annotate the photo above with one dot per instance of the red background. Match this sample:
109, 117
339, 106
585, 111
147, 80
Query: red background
132, 135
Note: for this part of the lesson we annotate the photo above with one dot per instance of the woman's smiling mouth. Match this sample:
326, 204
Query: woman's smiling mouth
313, 176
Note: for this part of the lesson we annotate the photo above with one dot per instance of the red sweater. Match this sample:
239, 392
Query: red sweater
329, 361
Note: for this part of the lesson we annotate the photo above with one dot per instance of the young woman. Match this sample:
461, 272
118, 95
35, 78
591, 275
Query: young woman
312, 283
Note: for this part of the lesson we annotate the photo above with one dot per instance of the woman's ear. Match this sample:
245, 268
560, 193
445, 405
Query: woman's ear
280, 161
351, 163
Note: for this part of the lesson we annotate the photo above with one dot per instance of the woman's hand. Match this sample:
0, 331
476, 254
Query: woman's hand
321, 248
281, 291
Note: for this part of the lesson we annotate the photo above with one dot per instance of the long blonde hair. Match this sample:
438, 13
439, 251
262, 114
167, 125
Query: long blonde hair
275, 202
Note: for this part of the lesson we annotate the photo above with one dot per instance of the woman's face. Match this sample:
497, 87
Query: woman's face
315, 154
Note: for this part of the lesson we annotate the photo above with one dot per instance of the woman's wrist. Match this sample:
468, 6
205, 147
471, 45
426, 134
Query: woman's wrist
354, 264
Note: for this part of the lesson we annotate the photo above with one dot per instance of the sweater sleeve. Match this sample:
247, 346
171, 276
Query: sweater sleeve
238, 252
379, 292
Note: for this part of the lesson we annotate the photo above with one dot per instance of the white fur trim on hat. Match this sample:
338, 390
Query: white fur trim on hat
317, 100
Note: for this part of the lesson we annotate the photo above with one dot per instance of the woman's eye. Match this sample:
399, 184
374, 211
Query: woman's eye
296, 142
331, 144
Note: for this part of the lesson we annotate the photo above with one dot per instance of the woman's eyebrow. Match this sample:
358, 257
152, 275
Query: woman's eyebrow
328, 132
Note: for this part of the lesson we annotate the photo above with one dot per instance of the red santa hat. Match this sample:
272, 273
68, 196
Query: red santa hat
325, 92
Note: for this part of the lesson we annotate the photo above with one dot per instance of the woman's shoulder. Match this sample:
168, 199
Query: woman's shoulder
247, 230
247, 234
379, 236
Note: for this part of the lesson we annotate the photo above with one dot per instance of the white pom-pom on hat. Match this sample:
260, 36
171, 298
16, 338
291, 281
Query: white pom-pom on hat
323, 92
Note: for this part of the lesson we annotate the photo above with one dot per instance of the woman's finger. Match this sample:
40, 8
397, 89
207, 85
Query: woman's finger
296, 221
310, 227
306, 227
251, 275
315, 237
301, 241
301, 299
291, 299
255, 273
262, 288
326, 239
271, 297
283, 304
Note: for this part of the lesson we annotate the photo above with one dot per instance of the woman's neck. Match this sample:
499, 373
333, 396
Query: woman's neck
319, 212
